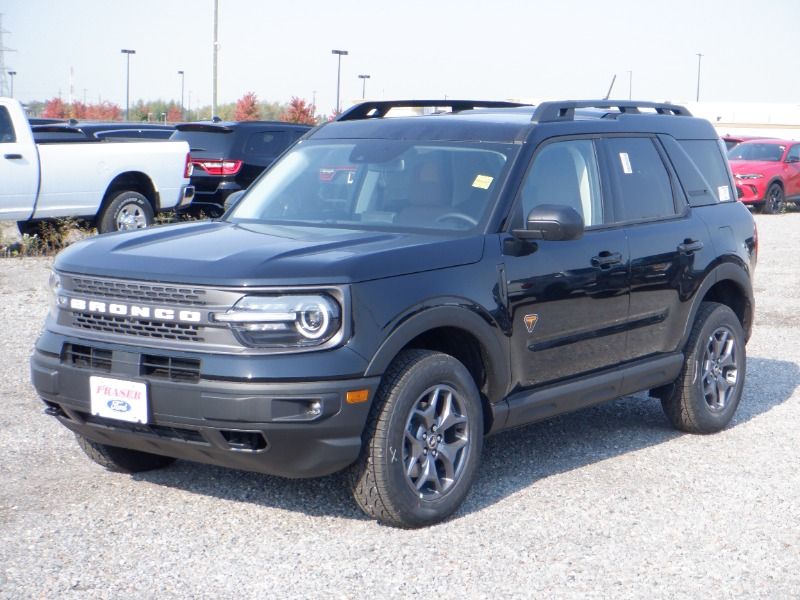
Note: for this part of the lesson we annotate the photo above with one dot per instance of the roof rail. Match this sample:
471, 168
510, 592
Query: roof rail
565, 110
378, 109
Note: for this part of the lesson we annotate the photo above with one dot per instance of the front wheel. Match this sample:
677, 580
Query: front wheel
709, 388
422, 442
126, 210
773, 202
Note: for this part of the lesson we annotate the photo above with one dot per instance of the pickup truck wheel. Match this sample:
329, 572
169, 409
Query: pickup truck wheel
122, 460
127, 210
773, 202
422, 441
709, 388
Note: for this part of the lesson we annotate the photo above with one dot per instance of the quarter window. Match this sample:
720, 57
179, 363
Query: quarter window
643, 185
710, 162
565, 173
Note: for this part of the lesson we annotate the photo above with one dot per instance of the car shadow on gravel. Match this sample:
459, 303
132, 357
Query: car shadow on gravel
511, 461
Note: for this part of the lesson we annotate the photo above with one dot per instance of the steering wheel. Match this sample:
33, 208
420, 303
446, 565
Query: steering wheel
458, 216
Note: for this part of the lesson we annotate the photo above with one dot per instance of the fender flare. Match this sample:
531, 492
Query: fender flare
458, 317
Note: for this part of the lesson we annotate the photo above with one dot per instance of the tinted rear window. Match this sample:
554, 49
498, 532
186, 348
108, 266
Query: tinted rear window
707, 157
205, 143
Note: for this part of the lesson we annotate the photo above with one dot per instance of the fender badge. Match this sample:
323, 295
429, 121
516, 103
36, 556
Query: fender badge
530, 322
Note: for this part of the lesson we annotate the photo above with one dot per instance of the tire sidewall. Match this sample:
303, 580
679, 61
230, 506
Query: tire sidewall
708, 419
773, 205
122, 200
433, 370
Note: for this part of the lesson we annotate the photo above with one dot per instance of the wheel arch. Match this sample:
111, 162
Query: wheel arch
134, 181
459, 332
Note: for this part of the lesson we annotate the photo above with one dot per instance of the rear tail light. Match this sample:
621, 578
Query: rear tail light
218, 167
187, 168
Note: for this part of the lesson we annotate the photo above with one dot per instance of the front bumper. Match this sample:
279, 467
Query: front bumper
751, 191
255, 426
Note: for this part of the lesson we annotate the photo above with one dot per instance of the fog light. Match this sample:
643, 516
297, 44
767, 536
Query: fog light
314, 408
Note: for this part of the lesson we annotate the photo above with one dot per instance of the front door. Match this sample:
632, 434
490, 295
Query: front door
568, 300
19, 173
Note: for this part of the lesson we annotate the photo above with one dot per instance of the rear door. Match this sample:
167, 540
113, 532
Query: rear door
19, 167
669, 245
568, 299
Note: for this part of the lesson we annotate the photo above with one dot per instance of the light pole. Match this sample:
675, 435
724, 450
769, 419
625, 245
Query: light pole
699, 58
183, 115
339, 53
363, 79
630, 85
128, 82
11, 74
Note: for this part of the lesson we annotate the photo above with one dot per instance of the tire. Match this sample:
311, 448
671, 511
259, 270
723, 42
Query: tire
418, 460
122, 460
774, 200
704, 397
127, 210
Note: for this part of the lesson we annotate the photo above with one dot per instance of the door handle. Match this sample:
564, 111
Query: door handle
13, 156
606, 259
690, 246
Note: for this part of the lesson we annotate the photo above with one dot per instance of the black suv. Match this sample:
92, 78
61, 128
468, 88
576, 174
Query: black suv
395, 289
91, 131
228, 156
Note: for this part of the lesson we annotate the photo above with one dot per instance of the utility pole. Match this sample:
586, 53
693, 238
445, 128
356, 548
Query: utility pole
363, 79
214, 69
183, 113
699, 58
3, 69
340, 54
127, 54
630, 85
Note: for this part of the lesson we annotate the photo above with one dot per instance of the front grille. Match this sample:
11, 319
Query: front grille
172, 433
168, 367
86, 357
142, 328
140, 292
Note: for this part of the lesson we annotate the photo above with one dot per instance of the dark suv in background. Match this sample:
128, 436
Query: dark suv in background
228, 156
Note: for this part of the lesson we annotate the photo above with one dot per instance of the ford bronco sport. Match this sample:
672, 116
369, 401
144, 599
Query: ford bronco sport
396, 288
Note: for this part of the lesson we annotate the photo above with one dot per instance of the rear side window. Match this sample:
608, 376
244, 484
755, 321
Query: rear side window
6, 128
708, 159
643, 187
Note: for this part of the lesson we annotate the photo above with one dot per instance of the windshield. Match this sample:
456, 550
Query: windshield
388, 184
749, 151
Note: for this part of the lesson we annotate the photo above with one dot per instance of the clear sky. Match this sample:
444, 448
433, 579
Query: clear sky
411, 49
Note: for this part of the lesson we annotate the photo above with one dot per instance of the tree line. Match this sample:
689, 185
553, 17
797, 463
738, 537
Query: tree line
246, 108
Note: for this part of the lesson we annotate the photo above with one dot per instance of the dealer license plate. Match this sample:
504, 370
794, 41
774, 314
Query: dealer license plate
119, 399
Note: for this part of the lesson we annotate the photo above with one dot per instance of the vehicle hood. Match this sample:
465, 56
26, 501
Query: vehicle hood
746, 167
228, 254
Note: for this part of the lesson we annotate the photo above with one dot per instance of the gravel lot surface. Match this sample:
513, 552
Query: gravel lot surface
607, 502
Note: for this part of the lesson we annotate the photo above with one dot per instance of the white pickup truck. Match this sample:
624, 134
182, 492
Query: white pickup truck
116, 185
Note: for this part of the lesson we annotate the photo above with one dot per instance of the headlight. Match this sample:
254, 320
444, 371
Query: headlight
53, 287
751, 176
284, 321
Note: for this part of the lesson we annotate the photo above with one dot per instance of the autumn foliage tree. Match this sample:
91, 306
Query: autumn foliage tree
174, 114
55, 109
247, 108
299, 111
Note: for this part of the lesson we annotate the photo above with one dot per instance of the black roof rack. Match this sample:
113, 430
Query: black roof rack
565, 110
378, 109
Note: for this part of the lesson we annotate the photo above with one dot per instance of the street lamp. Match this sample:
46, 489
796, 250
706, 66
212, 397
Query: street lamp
127, 81
183, 115
630, 85
339, 53
363, 79
11, 74
699, 58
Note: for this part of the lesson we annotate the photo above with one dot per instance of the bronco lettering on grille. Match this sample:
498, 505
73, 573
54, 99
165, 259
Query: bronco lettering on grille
134, 310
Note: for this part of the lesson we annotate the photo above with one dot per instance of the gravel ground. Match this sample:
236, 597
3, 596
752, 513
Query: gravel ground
606, 502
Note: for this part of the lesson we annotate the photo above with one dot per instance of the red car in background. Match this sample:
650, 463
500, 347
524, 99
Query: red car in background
767, 173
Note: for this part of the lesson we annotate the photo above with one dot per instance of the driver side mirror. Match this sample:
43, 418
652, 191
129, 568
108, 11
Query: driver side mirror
233, 200
554, 222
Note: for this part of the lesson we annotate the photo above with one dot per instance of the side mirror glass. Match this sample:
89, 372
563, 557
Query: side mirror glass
233, 199
553, 222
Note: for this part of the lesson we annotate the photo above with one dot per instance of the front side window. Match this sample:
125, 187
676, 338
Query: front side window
386, 184
565, 173
6, 127
643, 187
794, 154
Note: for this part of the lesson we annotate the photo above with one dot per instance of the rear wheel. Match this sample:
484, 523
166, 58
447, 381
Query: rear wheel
706, 394
774, 200
122, 460
126, 210
423, 441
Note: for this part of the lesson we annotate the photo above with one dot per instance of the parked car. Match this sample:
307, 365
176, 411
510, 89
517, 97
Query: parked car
116, 185
395, 289
227, 156
767, 173
87, 131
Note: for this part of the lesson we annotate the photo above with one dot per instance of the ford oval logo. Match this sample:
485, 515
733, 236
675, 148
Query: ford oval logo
119, 405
